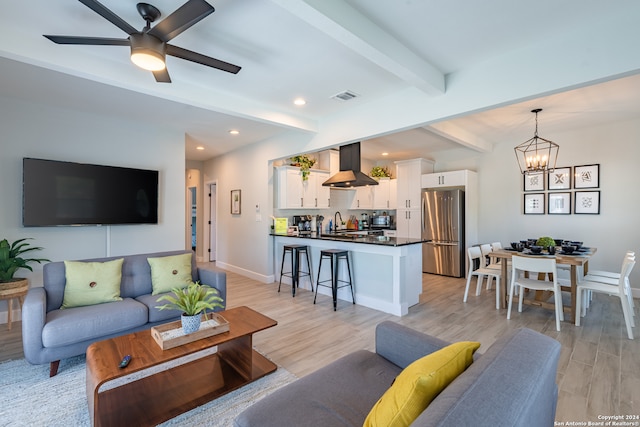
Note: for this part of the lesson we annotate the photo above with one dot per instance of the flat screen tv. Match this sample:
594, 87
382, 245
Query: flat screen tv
66, 193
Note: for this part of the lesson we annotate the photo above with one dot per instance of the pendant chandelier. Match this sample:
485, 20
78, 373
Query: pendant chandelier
537, 154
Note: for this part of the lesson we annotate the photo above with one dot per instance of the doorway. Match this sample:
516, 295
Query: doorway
212, 221
193, 216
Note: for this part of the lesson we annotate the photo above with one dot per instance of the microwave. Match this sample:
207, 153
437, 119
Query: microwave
381, 221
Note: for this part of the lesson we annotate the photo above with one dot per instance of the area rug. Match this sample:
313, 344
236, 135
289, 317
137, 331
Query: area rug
28, 397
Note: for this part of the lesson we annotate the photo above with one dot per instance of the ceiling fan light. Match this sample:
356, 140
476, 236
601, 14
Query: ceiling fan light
147, 52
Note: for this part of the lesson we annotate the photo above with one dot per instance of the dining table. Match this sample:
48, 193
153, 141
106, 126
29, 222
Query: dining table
574, 260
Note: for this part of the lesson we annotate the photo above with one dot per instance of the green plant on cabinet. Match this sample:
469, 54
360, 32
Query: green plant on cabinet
305, 163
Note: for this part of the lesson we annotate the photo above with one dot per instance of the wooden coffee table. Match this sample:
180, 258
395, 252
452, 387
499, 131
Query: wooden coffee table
168, 393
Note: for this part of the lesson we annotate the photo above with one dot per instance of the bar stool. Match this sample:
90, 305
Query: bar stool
295, 273
334, 255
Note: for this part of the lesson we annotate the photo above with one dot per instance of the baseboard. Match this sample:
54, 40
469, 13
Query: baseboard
247, 273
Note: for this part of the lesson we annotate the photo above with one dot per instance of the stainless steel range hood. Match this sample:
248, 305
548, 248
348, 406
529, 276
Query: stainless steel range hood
350, 174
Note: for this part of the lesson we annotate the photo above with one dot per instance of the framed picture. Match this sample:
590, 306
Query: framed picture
236, 202
587, 202
534, 182
559, 179
587, 176
559, 203
534, 204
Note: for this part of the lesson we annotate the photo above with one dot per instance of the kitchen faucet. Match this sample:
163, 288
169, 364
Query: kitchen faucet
335, 220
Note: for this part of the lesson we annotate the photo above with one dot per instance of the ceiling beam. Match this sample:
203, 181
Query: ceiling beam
461, 136
352, 29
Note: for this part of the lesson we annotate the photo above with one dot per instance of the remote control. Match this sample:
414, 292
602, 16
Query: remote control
125, 361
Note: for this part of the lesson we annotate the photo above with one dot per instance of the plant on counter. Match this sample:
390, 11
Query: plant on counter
380, 172
545, 242
10, 260
305, 163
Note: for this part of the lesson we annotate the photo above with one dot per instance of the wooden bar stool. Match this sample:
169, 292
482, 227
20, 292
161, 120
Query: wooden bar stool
334, 255
295, 273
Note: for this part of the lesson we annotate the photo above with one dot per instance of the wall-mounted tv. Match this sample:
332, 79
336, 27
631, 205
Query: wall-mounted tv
66, 193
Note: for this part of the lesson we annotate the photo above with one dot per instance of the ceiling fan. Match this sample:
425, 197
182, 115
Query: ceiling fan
150, 46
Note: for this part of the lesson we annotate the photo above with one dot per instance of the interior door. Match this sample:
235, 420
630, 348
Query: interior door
212, 222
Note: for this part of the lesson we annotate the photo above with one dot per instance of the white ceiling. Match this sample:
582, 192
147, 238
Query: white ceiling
312, 49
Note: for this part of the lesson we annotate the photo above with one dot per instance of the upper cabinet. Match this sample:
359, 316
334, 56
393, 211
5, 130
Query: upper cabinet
409, 182
294, 193
362, 197
385, 194
445, 179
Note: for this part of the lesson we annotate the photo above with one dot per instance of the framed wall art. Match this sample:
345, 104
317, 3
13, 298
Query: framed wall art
236, 202
534, 204
587, 202
534, 182
559, 179
559, 203
587, 176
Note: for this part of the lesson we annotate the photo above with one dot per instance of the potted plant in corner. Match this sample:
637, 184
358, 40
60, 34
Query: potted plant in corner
11, 261
193, 301
305, 163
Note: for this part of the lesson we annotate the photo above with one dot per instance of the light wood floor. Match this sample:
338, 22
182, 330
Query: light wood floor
599, 369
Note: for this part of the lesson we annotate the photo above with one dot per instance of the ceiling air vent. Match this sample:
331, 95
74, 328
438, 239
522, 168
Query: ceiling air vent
345, 96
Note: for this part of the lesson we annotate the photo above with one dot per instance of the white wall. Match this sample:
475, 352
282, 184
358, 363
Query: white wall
34, 130
244, 245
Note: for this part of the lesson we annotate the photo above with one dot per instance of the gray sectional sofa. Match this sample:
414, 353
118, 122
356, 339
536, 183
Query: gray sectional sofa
511, 384
50, 334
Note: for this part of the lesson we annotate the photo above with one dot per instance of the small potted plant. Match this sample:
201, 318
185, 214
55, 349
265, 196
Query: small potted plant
547, 243
193, 300
380, 172
305, 163
11, 261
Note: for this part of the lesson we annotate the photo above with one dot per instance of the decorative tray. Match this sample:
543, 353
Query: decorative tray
170, 335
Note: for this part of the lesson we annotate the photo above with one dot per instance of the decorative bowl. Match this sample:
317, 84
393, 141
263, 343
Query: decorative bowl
578, 245
535, 249
568, 249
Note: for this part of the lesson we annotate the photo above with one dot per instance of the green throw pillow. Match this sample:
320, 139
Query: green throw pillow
170, 272
90, 283
419, 383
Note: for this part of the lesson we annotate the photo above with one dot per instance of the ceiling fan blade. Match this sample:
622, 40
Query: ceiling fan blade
184, 17
101, 10
181, 53
101, 41
162, 76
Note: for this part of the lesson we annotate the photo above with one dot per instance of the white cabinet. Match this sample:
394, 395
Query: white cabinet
322, 197
445, 179
362, 197
409, 173
294, 193
384, 194
409, 196
409, 223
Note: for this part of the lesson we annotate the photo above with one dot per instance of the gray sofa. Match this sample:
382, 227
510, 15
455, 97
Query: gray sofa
50, 334
511, 384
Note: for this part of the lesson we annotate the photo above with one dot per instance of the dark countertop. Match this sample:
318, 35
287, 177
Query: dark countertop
355, 238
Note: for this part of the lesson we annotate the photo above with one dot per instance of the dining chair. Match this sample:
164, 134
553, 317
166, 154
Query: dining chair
519, 266
487, 261
475, 253
618, 290
611, 278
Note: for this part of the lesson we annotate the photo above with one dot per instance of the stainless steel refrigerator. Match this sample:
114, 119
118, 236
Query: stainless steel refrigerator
443, 227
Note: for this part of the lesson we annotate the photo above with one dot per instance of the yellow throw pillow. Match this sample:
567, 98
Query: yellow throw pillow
89, 283
419, 383
170, 272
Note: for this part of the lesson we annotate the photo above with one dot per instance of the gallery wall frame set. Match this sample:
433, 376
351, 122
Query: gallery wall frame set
557, 202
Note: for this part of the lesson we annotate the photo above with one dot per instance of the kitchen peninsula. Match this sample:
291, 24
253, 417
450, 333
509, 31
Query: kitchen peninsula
386, 271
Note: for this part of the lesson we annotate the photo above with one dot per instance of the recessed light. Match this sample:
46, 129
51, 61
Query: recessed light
234, 132
385, 154
199, 147
299, 101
